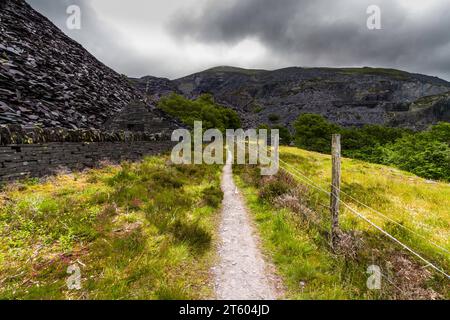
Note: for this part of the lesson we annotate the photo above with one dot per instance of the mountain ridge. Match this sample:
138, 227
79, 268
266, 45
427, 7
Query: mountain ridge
347, 96
49, 80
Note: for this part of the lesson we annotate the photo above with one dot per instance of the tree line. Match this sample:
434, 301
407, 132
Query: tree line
425, 153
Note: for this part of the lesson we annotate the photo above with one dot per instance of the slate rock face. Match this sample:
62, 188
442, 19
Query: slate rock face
139, 117
49, 80
347, 96
155, 88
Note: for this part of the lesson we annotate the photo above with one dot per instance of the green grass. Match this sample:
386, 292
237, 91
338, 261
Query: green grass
298, 256
227, 69
394, 73
146, 231
137, 231
420, 204
428, 101
298, 238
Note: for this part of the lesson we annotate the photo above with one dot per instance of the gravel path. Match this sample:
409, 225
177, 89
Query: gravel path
242, 273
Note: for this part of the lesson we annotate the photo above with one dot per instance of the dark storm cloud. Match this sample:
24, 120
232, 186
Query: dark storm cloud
224, 22
172, 43
324, 32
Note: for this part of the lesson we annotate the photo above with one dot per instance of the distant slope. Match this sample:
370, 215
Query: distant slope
347, 96
154, 88
47, 79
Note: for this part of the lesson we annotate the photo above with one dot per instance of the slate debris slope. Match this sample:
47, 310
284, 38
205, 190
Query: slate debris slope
49, 80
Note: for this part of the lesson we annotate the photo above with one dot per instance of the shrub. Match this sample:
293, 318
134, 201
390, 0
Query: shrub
441, 132
313, 132
191, 233
274, 117
168, 179
257, 108
285, 135
213, 196
420, 154
272, 188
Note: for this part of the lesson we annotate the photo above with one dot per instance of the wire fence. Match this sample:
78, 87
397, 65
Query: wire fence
384, 232
294, 172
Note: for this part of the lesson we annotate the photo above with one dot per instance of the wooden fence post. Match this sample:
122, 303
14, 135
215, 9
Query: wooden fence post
335, 187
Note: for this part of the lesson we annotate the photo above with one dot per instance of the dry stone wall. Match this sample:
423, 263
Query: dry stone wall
18, 161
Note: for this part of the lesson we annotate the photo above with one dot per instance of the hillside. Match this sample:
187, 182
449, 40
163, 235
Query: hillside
137, 231
347, 96
293, 219
49, 80
148, 231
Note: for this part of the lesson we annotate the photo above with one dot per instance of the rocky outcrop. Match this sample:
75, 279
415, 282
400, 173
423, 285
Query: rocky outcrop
155, 88
347, 96
49, 80
139, 117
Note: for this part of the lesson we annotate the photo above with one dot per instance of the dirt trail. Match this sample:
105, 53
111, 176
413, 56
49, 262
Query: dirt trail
242, 273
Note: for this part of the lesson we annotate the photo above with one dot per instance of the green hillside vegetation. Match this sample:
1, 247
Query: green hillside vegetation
201, 109
248, 72
146, 230
427, 101
394, 73
137, 231
285, 135
294, 222
426, 153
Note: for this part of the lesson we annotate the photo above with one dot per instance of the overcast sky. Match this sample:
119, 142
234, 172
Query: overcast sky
173, 38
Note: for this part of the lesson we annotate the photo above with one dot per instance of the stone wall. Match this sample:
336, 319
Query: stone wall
138, 117
37, 160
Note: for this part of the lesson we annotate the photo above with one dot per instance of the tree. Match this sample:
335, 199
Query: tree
313, 132
201, 109
285, 135
420, 154
441, 132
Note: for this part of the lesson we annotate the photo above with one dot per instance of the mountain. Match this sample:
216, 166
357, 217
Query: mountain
49, 80
155, 88
347, 96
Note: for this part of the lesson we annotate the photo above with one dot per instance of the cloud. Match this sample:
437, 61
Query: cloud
173, 38
127, 37
414, 36
95, 34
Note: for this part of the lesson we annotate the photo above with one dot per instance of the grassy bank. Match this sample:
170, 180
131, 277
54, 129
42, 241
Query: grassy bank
136, 231
293, 219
